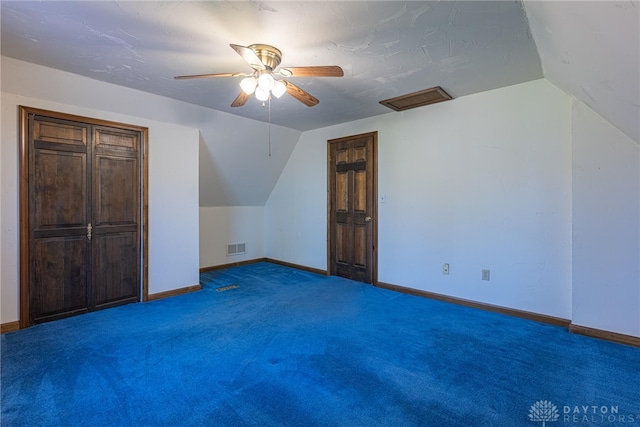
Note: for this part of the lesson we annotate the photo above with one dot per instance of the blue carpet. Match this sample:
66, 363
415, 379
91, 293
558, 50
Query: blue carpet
291, 348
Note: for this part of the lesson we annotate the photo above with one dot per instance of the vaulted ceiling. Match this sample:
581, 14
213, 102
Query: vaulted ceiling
591, 50
386, 48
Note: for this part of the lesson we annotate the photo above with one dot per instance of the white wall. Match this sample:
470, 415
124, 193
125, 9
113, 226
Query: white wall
220, 226
483, 181
235, 167
173, 174
606, 225
296, 212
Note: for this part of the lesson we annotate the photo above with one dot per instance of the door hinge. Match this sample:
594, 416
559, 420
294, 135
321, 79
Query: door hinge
89, 228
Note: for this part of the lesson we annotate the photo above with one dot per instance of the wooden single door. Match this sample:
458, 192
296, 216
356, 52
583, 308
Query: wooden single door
352, 207
80, 224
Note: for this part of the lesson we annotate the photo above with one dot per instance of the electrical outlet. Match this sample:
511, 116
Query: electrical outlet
485, 274
445, 268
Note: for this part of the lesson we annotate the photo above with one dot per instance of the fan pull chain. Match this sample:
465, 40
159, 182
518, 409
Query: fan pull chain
269, 126
269, 132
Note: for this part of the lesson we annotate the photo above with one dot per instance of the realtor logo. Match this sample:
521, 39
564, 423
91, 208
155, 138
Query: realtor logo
543, 410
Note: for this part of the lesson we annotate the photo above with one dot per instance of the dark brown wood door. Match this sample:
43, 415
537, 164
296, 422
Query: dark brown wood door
84, 217
116, 213
352, 207
59, 158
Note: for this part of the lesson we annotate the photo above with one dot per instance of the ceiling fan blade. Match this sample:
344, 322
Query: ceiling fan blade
240, 100
319, 71
301, 95
249, 56
201, 76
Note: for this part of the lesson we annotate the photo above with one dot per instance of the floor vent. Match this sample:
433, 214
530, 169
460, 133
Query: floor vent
236, 248
417, 99
226, 288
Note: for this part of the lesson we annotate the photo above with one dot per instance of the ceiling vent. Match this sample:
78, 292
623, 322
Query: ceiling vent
417, 99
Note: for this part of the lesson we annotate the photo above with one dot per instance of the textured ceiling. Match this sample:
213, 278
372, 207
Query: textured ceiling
386, 48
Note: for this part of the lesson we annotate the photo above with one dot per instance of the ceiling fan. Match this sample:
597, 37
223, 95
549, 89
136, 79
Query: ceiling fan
263, 80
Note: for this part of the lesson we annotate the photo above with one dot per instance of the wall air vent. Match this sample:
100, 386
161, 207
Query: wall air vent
236, 248
417, 99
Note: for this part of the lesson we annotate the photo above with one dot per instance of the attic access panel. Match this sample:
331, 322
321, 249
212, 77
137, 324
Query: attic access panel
417, 99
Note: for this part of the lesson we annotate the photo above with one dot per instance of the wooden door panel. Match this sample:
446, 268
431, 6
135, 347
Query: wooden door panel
342, 242
59, 189
360, 191
115, 277
107, 138
342, 192
342, 155
59, 280
116, 191
58, 132
359, 154
352, 183
360, 246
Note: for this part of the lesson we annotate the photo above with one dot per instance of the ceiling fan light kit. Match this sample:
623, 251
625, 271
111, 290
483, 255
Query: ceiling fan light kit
262, 94
264, 59
249, 84
263, 86
279, 88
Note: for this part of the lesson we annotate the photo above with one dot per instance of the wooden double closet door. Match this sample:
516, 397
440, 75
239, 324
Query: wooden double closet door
81, 192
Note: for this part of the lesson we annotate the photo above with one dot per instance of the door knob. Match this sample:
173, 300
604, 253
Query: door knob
367, 219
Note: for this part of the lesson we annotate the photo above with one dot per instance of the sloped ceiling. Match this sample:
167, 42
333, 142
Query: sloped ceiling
591, 50
386, 48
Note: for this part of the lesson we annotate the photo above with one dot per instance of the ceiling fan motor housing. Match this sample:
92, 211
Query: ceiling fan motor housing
269, 55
